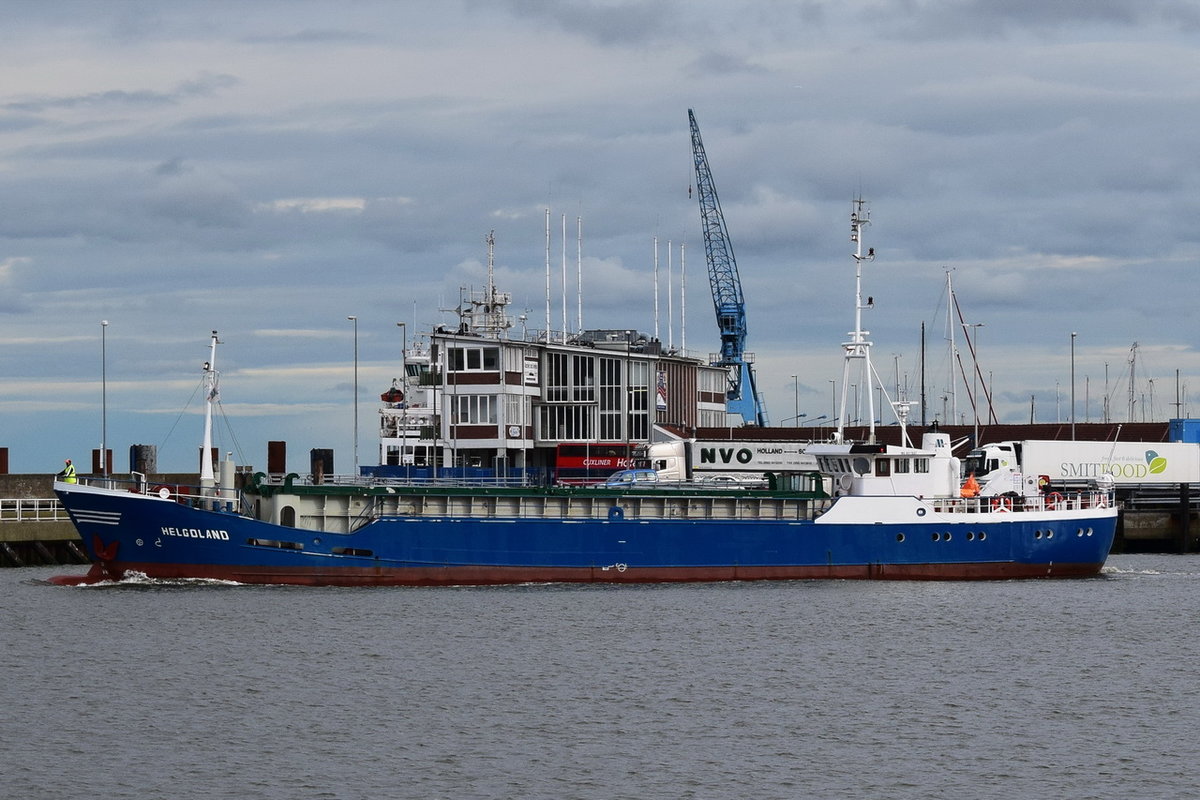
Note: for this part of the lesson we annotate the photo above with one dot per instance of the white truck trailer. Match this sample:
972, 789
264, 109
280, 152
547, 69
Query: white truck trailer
1031, 467
744, 462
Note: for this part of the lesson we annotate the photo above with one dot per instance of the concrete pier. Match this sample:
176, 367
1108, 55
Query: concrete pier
31, 544
1159, 520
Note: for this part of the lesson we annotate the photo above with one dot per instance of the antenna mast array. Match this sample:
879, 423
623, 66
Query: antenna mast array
859, 347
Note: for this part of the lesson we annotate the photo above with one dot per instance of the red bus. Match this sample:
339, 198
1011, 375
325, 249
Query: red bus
591, 462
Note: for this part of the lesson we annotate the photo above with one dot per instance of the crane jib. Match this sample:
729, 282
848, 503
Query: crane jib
742, 395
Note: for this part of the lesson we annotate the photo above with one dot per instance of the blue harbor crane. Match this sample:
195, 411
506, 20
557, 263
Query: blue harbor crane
741, 394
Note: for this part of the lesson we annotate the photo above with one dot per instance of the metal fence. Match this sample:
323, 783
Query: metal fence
32, 509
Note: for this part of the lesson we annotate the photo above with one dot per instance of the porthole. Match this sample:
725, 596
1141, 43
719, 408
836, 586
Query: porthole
1049, 534
1037, 534
970, 536
983, 536
937, 537
899, 537
947, 536
1079, 532
1089, 531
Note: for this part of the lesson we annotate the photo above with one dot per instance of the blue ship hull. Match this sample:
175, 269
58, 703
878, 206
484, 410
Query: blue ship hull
126, 532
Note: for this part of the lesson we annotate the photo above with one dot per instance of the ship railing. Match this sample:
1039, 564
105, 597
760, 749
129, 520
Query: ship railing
439, 482
136, 484
210, 498
1078, 500
1050, 501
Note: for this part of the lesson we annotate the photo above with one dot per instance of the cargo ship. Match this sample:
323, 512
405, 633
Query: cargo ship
375, 535
869, 511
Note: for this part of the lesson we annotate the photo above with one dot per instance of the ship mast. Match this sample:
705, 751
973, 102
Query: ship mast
858, 348
211, 396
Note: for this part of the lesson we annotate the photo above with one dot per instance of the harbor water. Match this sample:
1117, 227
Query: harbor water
824, 689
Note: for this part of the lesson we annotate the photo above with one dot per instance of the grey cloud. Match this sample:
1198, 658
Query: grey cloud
712, 63
172, 166
631, 22
202, 86
990, 18
314, 36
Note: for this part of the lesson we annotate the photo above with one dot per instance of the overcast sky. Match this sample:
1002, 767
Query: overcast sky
268, 169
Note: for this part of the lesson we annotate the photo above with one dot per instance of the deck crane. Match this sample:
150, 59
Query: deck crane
741, 394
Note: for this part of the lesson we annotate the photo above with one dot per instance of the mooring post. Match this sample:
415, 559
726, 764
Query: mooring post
1185, 517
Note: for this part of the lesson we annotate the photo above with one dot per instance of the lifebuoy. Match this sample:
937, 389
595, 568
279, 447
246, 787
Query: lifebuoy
1002, 504
1053, 500
163, 491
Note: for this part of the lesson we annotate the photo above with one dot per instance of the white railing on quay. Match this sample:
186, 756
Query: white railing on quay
32, 509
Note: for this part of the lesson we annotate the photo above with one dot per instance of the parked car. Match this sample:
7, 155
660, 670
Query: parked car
632, 477
732, 482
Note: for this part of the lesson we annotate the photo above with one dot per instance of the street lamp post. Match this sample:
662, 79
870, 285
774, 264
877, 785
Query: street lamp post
104, 398
628, 390
1073, 335
355, 321
796, 386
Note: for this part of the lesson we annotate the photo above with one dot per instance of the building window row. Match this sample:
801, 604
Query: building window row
565, 423
474, 359
570, 378
473, 409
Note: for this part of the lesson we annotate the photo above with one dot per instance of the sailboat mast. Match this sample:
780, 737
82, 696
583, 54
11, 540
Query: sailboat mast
656, 333
922, 372
952, 353
579, 274
683, 296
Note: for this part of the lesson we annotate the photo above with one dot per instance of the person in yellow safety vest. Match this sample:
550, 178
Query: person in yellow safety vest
68, 473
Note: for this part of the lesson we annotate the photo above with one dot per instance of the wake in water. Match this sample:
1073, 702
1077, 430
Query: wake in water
1153, 565
1109, 569
139, 580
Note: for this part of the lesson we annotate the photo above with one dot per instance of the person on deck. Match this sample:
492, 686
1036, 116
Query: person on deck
68, 473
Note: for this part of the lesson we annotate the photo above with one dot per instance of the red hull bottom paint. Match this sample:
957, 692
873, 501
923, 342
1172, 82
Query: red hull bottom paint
492, 575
